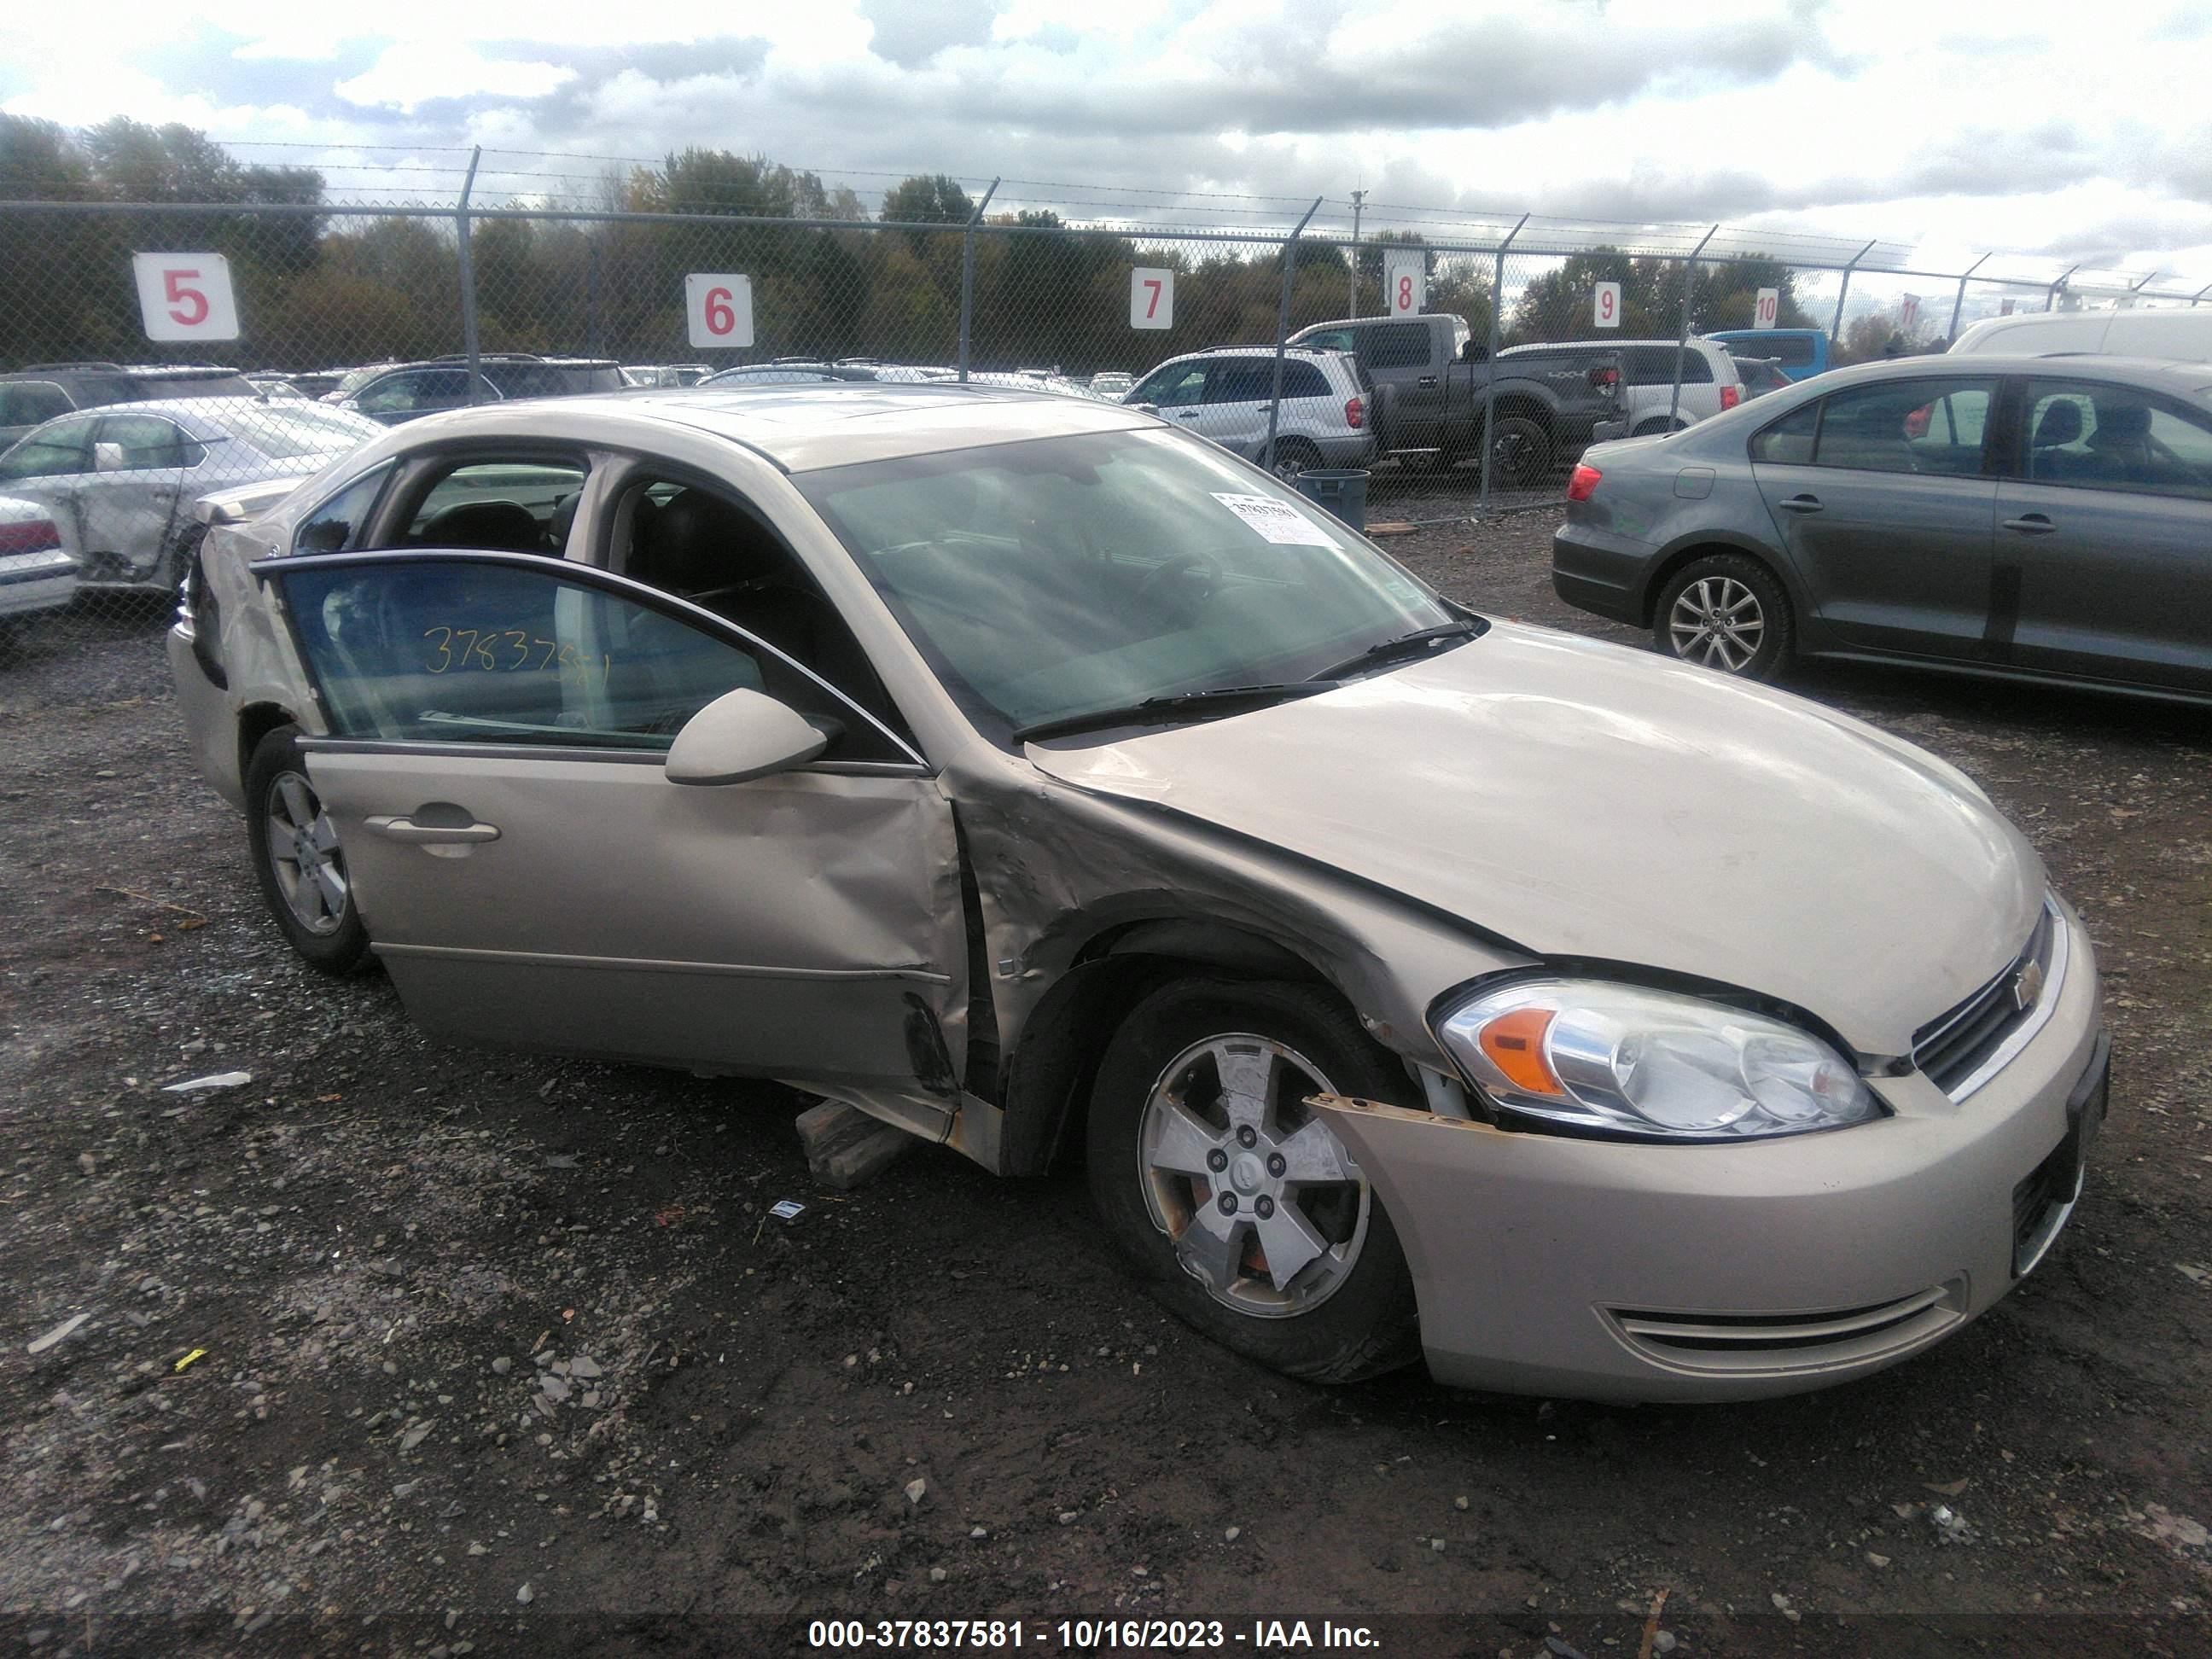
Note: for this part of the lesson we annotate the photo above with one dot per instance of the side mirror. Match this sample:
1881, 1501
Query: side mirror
107, 457
1146, 408
740, 735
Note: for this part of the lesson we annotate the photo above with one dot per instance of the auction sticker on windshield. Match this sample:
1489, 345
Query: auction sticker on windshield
1276, 521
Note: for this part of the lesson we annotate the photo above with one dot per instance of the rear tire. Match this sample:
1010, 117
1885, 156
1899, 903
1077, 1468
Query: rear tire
1293, 457
1520, 452
1198, 1105
1727, 613
297, 860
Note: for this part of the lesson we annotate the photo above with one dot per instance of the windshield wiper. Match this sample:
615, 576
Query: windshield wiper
1221, 699
1406, 645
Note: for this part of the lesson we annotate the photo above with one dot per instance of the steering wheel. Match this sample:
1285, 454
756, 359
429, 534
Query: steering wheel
1203, 570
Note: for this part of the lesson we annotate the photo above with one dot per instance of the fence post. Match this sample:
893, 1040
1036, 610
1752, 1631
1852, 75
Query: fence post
1682, 337
1959, 303
2050, 294
592, 297
468, 271
968, 274
1489, 367
1358, 197
1836, 327
1283, 333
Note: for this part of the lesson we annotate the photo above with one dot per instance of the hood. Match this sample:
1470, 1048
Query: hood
1584, 799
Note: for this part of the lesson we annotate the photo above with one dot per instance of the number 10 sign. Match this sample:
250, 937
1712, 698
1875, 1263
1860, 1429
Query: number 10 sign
185, 296
718, 307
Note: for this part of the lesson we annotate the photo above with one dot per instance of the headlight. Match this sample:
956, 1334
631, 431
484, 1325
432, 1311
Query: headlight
1617, 1058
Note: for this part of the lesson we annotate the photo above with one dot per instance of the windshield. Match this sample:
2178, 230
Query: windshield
283, 433
1054, 577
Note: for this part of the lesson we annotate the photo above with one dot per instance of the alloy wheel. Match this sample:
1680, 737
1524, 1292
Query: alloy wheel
304, 855
1718, 621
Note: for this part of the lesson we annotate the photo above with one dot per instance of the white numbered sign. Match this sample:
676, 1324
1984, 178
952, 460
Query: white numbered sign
1404, 283
1766, 309
185, 296
1605, 307
1152, 298
718, 307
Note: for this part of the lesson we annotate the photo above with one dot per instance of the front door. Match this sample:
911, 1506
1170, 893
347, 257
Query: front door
498, 726
131, 500
1888, 513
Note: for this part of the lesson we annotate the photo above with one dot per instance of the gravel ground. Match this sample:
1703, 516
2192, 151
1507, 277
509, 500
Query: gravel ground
402, 1349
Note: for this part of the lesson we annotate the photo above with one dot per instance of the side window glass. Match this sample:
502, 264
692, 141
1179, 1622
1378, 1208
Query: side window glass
1178, 389
1696, 371
26, 402
148, 442
1333, 339
1789, 442
1906, 426
1303, 380
1402, 345
513, 506
427, 651
1241, 380
62, 449
340, 522
711, 549
2111, 437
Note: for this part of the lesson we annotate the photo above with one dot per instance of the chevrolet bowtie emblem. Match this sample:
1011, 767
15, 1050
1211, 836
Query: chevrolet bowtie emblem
2027, 986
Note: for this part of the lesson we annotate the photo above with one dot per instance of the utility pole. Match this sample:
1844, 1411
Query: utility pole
1358, 198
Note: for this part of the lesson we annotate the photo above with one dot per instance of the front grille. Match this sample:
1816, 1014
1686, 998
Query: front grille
1793, 1341
1955, 1050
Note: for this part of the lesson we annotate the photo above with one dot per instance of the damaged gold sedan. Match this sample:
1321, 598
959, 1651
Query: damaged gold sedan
1051, 784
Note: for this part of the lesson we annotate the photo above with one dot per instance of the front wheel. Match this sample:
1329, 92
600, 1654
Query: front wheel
1725, 611
1235, 1199
297, 860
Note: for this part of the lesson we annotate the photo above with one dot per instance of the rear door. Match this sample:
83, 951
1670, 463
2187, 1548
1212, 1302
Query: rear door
51, 467
498, 726
1238, 390
131, 501
1403, 356
1883, 503
2104, 535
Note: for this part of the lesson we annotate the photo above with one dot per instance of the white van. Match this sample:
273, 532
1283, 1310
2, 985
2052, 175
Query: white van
2184, 335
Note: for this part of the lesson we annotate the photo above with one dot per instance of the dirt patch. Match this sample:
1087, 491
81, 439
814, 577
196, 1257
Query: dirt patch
392, 1332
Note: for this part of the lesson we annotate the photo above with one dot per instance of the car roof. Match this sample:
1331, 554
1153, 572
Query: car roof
1693, 342
200, 417
2160, 374
798, 428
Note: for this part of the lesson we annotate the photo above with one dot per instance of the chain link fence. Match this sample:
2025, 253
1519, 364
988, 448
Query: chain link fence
350, 317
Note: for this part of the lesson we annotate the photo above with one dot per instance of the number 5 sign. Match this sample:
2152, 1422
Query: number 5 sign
1605, 306
718, 307
1152, 298
185, 296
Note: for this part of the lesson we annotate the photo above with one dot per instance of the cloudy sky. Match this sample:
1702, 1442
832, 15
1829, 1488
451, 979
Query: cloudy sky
2065, 132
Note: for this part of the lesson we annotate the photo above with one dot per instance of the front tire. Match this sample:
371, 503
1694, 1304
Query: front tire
1236, 1203
1725, 611
297, 860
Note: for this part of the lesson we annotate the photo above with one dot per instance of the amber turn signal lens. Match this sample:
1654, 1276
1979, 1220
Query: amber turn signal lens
1514, 1043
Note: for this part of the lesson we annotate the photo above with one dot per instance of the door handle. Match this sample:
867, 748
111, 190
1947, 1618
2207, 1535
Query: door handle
1802, 504
400, 827
2032, 524
1426, 380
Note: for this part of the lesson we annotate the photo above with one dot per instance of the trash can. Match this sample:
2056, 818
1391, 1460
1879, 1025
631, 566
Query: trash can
1343, 492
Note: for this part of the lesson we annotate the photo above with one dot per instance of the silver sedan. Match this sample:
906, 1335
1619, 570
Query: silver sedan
120, 483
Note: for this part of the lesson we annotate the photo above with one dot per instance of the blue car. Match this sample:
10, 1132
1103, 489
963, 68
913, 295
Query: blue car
1801, 352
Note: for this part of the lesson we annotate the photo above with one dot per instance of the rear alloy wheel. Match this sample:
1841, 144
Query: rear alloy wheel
1520, 454
1724, 612
1232, 1197
297, 860
1293, 457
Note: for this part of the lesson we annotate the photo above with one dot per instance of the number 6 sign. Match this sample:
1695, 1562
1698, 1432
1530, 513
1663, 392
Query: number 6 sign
718, 307
1152, 298
185, 296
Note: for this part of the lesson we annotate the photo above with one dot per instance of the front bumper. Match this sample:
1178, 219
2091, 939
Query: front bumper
1589, 1269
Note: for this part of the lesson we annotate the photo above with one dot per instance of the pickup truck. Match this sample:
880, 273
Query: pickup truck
1430, 376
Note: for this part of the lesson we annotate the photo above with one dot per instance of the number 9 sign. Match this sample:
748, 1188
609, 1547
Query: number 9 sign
718, 308
1605, 307
185, 296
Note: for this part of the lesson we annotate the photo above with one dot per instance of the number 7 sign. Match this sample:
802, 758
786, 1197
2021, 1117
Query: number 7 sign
185, 296
1152, 298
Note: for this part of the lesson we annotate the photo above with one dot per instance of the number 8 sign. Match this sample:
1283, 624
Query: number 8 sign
185, 296
718, 306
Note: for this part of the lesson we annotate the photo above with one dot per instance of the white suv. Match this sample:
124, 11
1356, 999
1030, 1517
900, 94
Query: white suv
1710, 381
1224, 394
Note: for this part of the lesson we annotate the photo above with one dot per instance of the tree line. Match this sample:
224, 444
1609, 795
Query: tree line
319, 287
